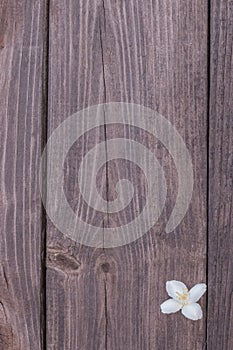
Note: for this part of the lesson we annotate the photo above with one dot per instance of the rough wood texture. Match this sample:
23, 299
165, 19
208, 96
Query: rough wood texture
21, 57
220, 272
75, 291
153, 54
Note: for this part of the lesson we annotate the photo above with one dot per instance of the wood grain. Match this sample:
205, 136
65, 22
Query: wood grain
153, 54
162, 66
220, 245
21, 62
75, 279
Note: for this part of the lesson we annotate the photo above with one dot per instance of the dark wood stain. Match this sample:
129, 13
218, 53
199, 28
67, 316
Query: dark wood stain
58, 58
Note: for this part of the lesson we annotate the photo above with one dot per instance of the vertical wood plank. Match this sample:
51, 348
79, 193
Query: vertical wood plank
21, 62
220, 272
75, 280
153, 54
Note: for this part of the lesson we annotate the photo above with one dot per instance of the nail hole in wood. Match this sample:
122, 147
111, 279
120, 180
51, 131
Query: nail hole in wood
105, 267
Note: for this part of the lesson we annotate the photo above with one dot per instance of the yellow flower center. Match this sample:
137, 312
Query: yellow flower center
183, 297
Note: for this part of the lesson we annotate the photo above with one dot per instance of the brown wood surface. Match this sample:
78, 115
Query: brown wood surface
57, 58
153, 54
220, 242
21, 62
76, 310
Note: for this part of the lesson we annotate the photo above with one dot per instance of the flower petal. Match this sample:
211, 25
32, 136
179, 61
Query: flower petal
192, 311
174, 287
197, 291
170, 306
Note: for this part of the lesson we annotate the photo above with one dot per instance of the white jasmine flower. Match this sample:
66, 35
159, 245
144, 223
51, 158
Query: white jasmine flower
183, 299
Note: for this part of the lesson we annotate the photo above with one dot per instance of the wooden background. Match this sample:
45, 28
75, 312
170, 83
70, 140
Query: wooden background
58, 57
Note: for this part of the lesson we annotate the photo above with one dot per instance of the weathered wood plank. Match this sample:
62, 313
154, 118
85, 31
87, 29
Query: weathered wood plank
21, 62
220, 245
153, 54
75, 280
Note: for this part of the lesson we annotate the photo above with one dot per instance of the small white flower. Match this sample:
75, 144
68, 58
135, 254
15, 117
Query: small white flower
184, 300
